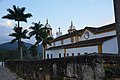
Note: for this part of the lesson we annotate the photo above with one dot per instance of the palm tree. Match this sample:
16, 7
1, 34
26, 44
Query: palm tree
18, 36
45, 40
36, 29
41, 35
18, 15
33, 51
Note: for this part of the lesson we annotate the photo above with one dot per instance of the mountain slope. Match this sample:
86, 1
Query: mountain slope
8, 46
14, 46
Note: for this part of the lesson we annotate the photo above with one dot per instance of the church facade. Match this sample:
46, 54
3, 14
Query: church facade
88, 40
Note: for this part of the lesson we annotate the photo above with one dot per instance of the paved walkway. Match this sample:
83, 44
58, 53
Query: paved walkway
6, 74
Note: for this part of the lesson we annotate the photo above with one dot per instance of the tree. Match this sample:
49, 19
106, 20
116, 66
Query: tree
33, 50
18, 36
18, 15
36, 29
41, 35
45, 40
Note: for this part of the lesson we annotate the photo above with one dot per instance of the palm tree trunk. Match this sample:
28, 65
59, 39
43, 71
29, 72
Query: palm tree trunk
44, 53
117, 19
38, 51
21, 50
19, 43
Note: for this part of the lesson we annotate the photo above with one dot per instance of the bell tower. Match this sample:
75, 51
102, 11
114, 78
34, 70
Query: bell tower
48, 27
59, 33
71, 28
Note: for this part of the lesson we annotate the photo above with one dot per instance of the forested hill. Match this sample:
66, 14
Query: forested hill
14, 46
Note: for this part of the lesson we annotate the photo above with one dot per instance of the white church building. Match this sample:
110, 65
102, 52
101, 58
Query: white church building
88, 40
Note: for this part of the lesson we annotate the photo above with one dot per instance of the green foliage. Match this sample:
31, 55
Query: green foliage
17, 14
33, 50
109, 71
36, 30
9, 55
14, 55
18, 34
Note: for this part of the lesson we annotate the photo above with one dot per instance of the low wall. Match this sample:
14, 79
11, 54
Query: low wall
87, 67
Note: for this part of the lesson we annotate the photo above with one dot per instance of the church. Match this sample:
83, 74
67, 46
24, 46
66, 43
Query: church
100, 40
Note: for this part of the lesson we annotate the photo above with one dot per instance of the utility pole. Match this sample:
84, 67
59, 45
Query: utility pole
117, 20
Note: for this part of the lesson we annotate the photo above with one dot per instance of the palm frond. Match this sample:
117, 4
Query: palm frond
13, 35
11, 11
25, 31
23, 19
50, 38
35, 29
17, 14
14, 40
25, 37
15, 9
8, 16
43, 34
22, 9
38, 38
32, 33
28, 15
24, 34
48, 42
32, 27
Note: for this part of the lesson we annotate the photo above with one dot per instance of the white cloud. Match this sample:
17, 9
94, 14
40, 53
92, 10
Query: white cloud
7, 23
4, 33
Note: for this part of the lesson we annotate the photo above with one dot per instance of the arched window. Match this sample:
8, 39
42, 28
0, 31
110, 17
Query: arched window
51, 56
72, 54
78, 54
59, 55
67, 54
47, 56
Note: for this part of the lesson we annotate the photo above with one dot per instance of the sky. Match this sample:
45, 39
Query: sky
60, 13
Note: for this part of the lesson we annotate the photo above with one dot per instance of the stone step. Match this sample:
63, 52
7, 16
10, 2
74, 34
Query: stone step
6, 74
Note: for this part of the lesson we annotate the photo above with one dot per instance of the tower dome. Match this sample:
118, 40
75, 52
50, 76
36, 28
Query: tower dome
59, 33
47, 25
71, 28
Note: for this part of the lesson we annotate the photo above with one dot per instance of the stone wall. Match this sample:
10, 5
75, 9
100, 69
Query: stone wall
87, 67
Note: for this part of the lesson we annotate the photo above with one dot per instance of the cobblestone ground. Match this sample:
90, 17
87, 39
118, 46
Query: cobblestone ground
6, 74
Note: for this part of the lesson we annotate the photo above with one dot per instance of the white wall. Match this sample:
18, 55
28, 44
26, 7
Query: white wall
58, 43
82, 50
67, 41
55, 53
105, 34
93, 36
110, 46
